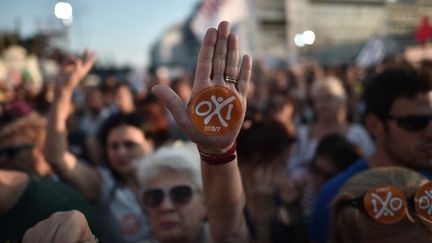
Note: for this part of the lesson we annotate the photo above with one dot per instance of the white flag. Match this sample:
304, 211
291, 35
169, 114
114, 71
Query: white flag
211, 12
372, 53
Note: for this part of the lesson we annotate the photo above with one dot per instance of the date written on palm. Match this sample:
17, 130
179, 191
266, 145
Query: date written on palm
215, 110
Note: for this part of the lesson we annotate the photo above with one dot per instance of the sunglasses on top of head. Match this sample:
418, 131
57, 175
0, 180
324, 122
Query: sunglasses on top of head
412, 123
179, 195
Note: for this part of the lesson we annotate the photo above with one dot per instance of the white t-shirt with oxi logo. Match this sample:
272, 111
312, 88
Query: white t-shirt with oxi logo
121, 217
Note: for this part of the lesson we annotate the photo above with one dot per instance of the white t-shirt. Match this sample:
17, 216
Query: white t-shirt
121, 217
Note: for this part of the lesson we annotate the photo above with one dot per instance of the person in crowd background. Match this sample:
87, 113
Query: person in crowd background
123, 99
398, 110
222, 187
351, 223
333, 155
27, 199
124, 137
330, 106
171, 194
262, 150
22, 143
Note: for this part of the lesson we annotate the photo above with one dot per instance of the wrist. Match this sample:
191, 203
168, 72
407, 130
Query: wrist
218, 156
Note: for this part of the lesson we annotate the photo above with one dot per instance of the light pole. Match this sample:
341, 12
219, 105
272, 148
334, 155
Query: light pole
63, 11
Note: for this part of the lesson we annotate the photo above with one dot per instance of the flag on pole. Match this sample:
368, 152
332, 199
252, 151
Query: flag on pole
211, 12
372, 53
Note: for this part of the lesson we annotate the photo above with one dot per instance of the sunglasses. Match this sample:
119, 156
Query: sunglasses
180, 195
387, 204
12, 151
411, 122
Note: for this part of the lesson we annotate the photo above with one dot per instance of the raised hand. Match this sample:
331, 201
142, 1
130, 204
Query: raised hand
217, 65
76, 69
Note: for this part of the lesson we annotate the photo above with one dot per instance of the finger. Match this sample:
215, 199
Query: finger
205, 57
231, 68
245, 75
220, 55
89, 61
69, 65
174, 105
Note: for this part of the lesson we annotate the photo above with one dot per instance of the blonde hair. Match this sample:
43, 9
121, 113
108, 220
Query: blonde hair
331, 85
351, 224
32, 128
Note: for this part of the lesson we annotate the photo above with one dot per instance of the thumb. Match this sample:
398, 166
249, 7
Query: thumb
174, 104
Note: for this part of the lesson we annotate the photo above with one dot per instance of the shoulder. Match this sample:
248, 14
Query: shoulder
320, 217
12, 186
107, 182
336, 182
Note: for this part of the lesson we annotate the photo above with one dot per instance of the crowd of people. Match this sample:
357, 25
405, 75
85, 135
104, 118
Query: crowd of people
291, 154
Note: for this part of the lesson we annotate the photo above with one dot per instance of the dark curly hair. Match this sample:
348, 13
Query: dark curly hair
392, 83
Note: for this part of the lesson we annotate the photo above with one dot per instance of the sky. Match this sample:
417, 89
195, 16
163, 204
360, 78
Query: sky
120, 31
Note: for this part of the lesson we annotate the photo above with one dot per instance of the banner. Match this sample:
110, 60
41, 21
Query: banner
211, 12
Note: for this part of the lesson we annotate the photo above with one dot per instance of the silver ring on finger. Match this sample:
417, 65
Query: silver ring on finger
229, 79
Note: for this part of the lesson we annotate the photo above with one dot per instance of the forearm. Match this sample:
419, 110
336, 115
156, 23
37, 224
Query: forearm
225, 202
66, 165
56, 139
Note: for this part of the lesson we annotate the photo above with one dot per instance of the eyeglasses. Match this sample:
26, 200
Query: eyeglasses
411, 122
12, 151
180, 195
387, 204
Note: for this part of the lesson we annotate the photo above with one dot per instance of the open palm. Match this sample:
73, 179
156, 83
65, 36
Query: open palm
218, 58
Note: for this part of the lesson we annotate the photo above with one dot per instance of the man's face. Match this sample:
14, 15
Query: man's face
404, 140
175, 220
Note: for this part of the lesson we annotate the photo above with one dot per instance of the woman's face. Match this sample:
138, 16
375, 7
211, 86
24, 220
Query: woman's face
126, 143
326, 104
174, 220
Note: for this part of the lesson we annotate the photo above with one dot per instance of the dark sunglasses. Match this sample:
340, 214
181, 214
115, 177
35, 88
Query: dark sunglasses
12, 151
387, 204
411, 122
180, 195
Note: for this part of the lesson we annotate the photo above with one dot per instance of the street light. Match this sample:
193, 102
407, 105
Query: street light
63, 11
308, 37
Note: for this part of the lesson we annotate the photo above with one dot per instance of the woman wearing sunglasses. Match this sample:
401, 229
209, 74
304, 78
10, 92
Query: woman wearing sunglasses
212, 119
171, 194
382, 205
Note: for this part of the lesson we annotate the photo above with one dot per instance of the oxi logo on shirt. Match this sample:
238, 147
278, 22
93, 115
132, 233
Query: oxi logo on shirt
215, 110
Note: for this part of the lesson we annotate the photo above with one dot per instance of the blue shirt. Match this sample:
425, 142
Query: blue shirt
319, 226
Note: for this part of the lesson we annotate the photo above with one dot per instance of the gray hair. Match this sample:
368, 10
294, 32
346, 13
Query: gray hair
182, 157
330, 84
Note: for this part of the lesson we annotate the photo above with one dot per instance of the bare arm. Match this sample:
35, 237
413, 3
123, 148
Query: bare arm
224, 196
83, 177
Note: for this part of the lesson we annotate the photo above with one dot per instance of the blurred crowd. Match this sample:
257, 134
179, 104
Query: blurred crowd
96, 143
